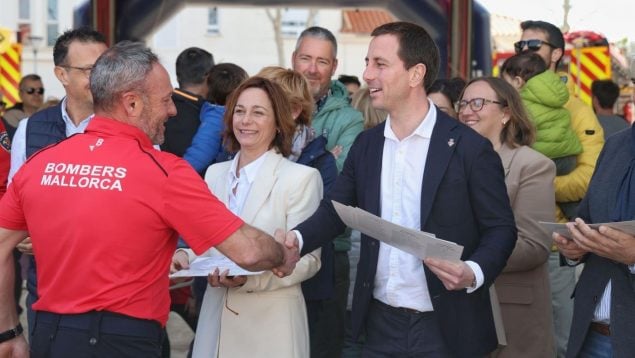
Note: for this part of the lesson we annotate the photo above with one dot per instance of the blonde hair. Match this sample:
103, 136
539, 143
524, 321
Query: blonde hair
296, 89
361, 102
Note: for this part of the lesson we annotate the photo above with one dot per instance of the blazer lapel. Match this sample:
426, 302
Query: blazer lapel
507, 155
266, 178
442, 144
373, 172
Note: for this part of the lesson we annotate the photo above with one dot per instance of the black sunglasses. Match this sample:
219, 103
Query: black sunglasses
32, 90
532, 45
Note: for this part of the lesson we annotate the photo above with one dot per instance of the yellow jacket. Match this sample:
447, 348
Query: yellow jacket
573, 186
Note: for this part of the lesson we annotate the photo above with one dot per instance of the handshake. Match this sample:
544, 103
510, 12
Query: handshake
252, 250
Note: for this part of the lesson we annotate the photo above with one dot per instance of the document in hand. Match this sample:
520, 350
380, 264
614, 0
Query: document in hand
561, 228
203, 266
418, 243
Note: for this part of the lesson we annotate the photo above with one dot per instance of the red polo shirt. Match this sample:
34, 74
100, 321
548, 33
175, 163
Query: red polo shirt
103, 209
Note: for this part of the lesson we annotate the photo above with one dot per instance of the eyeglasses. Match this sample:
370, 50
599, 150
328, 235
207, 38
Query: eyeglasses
532, 45
85, 70
32, 90
476, 104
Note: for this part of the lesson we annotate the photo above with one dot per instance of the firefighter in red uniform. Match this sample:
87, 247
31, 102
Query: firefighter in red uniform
103, 210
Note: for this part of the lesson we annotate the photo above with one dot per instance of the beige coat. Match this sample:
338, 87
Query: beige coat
270, 316
523, 287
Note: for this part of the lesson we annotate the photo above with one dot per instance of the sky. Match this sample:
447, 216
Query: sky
613, 18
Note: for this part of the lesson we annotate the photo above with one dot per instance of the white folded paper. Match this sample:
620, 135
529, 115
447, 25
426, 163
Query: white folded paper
203, 266
418, 243
561, 228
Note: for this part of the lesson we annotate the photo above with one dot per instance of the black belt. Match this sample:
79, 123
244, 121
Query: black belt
110, 323
400, 310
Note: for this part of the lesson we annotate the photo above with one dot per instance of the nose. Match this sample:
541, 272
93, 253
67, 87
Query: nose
368, 74
312, 67
171, 109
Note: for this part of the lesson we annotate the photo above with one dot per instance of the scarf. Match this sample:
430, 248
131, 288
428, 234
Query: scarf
303, 136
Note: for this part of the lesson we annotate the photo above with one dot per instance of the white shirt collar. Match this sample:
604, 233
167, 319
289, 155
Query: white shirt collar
424, 129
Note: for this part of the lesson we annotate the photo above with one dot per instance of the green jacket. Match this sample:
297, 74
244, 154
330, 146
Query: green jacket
544, 96
340, 124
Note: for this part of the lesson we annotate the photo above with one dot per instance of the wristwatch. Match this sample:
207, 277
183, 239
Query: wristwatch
10, 334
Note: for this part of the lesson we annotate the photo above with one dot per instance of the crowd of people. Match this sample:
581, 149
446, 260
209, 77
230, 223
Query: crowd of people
127, 179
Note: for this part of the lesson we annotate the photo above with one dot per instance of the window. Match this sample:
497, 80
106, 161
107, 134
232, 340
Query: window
294, 21
212, 21
52, 23
24, 10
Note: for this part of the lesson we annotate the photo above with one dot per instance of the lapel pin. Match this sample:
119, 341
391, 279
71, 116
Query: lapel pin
450, 142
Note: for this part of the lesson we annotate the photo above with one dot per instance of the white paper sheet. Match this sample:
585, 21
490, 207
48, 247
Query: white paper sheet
418, 243
203, 266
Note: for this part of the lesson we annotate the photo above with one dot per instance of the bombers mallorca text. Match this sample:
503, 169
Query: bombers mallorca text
84, 176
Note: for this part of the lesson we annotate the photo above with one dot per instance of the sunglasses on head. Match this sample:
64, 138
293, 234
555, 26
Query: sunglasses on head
32, 90
532, 45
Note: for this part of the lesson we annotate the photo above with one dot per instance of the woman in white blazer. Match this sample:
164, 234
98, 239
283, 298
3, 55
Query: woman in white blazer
259, 315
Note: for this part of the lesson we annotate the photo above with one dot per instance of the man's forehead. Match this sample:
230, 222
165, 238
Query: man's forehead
534, 34
313, 44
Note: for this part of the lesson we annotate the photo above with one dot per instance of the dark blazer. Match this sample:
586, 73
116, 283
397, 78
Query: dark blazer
463, 200
596, 208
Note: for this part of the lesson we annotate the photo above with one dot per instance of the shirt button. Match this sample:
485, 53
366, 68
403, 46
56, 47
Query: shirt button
92, 341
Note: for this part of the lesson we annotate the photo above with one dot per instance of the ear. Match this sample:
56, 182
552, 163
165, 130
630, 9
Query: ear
295, 112
334, 67
518, 82
61, 75
556, 54
417, 74
292, 58
133, 105
506, 116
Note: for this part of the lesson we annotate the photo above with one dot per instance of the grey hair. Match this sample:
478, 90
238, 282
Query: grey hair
318, 33
120, 69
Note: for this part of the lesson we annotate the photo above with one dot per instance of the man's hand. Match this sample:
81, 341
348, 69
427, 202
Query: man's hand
291, 249
180, 261
455, 275
606, 242
568, 248
25, 247
15, 348
218, 279
337, 150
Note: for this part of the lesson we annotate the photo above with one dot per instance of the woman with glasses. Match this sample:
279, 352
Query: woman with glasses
494, 109
544, 97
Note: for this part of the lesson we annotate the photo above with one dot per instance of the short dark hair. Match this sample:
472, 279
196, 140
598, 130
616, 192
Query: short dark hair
29, 77
83, 34
451, 88
192, 65
222, 80
348, 79
606, 91
524, 65
318, 33
554, 35
415, 46
281, 111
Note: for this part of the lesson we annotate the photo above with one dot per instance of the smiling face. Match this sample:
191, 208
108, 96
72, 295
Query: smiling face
74, 74
315, 59
157, 104
489, 120
387, 78
253, 121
